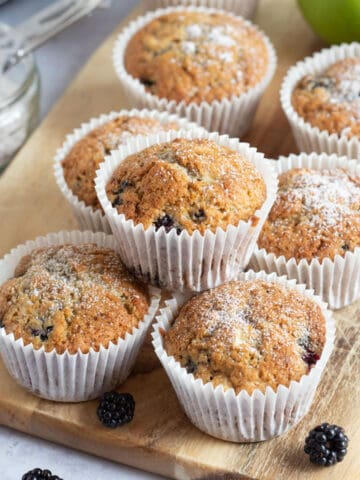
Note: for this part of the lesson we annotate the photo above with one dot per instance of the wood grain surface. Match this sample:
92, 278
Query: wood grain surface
161, 439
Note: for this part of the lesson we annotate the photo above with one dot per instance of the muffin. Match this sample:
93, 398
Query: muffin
72, 319
245, 8
248, 336
186, 207
316, 215
71, 298
84, 158
320, 98
312, 233
79, 157
245, 358
188, 61
192, 185
330, 100
194, 56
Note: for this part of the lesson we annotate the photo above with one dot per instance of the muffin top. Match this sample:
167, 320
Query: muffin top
187, 185
197, 56
330, 100
248, 335
316, 215
81, 163
71, 297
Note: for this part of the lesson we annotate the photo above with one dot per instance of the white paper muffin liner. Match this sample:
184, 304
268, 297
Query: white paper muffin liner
336, 281
231, 116
182, 262
242, 417
245, 8
87, 218
309, 138
70, 377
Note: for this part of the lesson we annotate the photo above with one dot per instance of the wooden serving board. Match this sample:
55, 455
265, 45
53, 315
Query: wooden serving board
161, 439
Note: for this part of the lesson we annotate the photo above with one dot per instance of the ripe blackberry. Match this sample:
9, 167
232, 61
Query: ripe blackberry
168, 223
116, 409
326, 444
38, 474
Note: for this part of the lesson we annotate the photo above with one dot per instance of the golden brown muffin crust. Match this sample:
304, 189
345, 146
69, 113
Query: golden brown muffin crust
248, 335
197, 56
187, 185
81, 163
316, 215
71, 297
331, 100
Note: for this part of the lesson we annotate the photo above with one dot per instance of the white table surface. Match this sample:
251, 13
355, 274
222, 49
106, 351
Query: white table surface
19, 452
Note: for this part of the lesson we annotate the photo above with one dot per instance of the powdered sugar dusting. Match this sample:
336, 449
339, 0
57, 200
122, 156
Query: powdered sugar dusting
226, 57
327, 196
188, 47
218, 36
347, 86
194, 31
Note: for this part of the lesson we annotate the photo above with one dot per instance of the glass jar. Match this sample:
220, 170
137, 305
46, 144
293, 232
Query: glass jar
19, 103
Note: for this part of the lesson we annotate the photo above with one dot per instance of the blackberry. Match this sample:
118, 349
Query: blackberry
42, 333
38, 474
190, 366
199, 216
326, 444
310, 357
147, 82
119, 191
167, 222
320, 82
116, 409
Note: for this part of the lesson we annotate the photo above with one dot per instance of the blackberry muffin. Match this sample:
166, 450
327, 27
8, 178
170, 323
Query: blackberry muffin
330, 100
71, 298
187, 185
248, 335
197, 56
316, 215
82, 161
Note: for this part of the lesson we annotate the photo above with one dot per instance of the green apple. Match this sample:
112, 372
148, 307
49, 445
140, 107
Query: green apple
335, 21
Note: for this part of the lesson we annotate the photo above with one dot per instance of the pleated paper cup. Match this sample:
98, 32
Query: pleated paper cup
70, 377
309, 138
245, 8
232, 116
242, 417
86, 217
336, 281
184, 261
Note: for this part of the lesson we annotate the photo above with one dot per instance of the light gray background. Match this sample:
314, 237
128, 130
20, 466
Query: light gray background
59, 60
